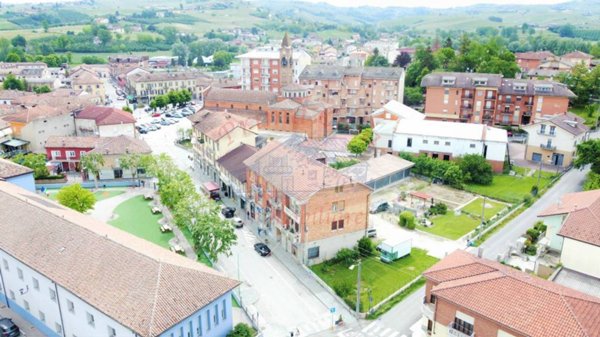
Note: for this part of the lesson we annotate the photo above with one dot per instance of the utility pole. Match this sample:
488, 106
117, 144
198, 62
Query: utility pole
358, 290
483, 211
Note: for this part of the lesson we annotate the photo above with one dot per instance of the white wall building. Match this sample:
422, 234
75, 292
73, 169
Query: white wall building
443, 140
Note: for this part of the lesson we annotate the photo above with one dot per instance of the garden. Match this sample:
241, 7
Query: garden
378, 280
512, 188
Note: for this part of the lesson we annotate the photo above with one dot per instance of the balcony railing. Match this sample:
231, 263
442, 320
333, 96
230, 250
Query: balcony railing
428, 310
452, 331
295, 216
548, 147
490, 97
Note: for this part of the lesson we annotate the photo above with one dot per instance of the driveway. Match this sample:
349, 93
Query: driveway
270, 290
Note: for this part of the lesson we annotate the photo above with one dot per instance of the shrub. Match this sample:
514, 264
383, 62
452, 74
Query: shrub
530, 249
533, 234
346, 256
540, 226
534, 190
527, 200
343, 288
407, 219
366, 247
242, 330
476, 169
438, 208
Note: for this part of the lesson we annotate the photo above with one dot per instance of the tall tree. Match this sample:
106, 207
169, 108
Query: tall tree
35, 161
376, 60
76, 197
13, 83
212, 234
19, 41
92, 163
402, 60
588, 152
135, 162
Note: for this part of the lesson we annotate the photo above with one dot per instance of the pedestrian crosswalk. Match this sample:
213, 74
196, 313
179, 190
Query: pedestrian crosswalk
373, 329
312, 327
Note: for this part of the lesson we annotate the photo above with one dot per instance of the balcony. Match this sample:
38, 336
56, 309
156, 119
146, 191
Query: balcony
292, 214
453, 331
549, 147
468, 96
428, 309
490, 98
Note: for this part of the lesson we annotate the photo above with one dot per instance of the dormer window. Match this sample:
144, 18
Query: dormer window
480, 81
520, 86
543, 87
448, 80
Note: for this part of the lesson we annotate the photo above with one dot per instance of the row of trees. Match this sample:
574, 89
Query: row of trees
583, 82
175, 97
359, 143
471, 168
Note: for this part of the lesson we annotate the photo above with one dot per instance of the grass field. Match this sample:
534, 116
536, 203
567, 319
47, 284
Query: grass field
100, 194
451, 226
78, 56
381, 278
589, 120
511, 188
134, 216
491, 208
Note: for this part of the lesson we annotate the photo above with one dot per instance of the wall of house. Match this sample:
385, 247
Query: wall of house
125, 129
96, 89
565, 142
33, 303
578, 256
86, 127
213, 320
549, 105
554, 224
25, 180
259, 109
528, 64
38, 131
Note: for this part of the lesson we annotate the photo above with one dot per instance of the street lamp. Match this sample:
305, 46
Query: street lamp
357, 286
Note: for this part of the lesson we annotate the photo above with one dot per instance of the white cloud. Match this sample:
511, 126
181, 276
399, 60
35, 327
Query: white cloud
430, 3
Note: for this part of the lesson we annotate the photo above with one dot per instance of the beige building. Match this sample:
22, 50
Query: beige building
554, 140
104, 122
87, 80
353, 92
113, 148
145, 85
215, 133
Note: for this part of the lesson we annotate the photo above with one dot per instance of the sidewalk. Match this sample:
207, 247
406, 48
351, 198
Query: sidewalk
27, 329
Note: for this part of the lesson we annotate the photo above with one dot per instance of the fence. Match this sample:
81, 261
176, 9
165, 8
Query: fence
91, 184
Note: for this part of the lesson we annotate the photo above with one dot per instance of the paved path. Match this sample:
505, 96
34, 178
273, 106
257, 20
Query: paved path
104, 209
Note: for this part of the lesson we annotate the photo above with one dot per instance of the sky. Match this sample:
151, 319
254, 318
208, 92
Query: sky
430, 3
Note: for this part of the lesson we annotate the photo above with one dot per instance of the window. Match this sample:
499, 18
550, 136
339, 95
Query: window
340, 224
111, 331
389, 144
313, 252
425, 141
272, 117
336, 225
36, 283
20, 273
208, 320
58, 328
447, 143
199, 325
216, 315
436, 142
55, 153
5, 263
552, 130
70, 154
543, 128
180, 331
432, 298
337, 206
462, 326
339, 189
26, 305
42, 316
409, 142
52, 294
223, 311
90, 319
287, 118
472, 146
280, 118
71, 306
446, 157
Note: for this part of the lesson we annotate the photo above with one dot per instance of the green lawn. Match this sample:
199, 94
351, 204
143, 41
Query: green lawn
589, 120
134, 216
451, 226
491, 208
100, 194
382, 278
510, 188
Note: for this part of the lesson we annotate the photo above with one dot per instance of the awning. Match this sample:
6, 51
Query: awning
211, 186
15, 142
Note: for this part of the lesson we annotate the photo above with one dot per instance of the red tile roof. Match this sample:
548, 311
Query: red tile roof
523, 303
106, 115
218, 124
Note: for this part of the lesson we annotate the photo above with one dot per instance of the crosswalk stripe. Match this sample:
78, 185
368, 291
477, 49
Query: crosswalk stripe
385, 332
394, 334
365, 329
376, 330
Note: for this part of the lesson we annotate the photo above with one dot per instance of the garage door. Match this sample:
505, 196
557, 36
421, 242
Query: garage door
536, 157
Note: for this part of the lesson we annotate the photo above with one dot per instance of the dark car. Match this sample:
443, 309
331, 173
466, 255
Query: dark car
8, 328
143, 130
382, 207
228, 212
262, 249
215, 195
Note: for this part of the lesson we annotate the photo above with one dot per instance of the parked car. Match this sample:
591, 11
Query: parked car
228, 212
237, 222
155, 121
8, 328
371, 232
164, 122
177, 115
381, 207
262, 249
156, 114
143, 130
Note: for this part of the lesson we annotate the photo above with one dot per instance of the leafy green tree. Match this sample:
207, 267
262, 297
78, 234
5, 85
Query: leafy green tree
212, 234
402, 60
366, 247
242, 330
413, 96
182, 52
92, 163
454, 176
76, 197
35, 161
376, 60
445, 57
127, 108
357, 145
476, 169
175, 187
45, 25
19, 41
407, 219
13, 83
160, 102
566, 31
588, 152
221, 60
42, 89
592, 181
13, 57
105, 36
136, 162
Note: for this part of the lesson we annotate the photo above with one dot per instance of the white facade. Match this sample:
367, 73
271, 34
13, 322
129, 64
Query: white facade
581, 257
38, 131
553, 225
88, 127
301, 59
58, 312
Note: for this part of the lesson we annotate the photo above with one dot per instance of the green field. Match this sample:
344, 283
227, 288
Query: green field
511, 188
100, 194
589, 120
134, 216
381, 278
491, 208
78, 56
451, 226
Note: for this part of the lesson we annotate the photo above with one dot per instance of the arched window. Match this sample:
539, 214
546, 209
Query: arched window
284, 62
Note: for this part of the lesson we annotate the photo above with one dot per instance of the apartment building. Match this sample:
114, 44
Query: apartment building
145, 85
578, 57
467, 296
271, 68
122, 64
531, 60
491, 99
353, 92
104, 122
87, 80
232, 173
307, 207
216, 133
442, 140
68, 274
554, 140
